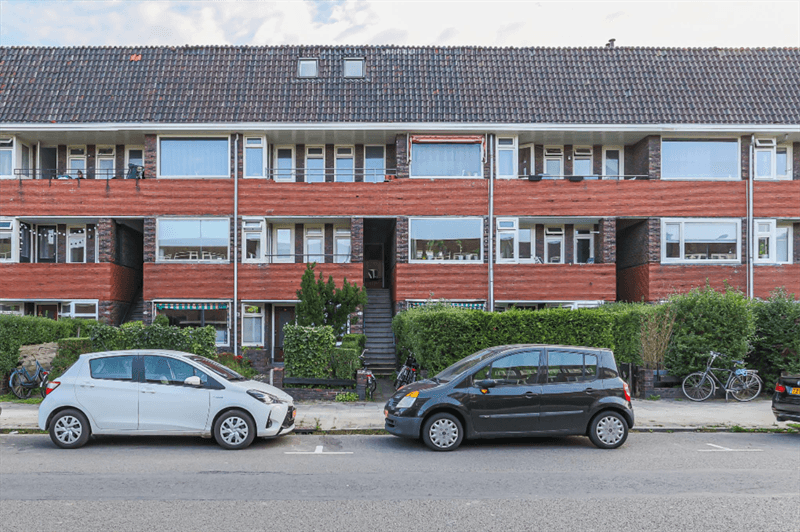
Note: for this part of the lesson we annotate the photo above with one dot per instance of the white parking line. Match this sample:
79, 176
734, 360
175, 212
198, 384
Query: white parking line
318, 450
721, 449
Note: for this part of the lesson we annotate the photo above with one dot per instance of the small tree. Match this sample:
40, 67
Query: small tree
656, 329
322, 303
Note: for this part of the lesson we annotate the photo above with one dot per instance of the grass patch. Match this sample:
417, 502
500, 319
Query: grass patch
23, 431
653, 397
11, 398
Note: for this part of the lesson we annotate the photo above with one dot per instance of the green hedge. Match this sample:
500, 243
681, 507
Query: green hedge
69, 349
307, 351
776, 345
135, 335
16, 331
355, 341
345, 362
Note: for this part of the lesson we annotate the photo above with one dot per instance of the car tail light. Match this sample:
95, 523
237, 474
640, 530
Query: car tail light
51, 386
780, 388
627, 391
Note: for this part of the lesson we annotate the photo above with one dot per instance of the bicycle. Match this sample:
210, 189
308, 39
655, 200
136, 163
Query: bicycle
372, 383
408, 373
23, 383
744, 384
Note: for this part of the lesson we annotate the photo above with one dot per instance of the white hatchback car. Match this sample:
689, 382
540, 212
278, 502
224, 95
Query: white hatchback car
154, 392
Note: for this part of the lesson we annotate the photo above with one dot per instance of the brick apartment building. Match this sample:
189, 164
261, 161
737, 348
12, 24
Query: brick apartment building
197, 182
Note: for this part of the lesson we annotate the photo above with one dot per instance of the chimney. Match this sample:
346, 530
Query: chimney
610, 43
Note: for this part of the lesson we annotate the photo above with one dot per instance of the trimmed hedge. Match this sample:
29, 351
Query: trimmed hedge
355, 341
16, 331
307, 351
135, 335
776, 346
69, 349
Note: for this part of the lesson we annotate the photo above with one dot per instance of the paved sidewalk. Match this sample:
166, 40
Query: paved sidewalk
662, 415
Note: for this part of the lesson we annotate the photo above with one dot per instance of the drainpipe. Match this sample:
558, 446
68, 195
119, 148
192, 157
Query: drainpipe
750, 219
235, 309
492, 140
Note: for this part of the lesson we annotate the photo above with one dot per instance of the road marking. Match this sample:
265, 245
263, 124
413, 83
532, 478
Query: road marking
317, 450
721, 449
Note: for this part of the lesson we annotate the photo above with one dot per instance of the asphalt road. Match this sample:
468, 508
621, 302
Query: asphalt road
681, 481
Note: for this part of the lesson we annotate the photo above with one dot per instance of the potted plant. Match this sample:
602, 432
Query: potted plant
460, 254
419, 254
429, 249
475, 254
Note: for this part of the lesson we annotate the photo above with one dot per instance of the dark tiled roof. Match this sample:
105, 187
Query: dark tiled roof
402, 84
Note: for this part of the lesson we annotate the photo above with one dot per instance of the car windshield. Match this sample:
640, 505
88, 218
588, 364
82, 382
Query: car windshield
219, 369
464, 364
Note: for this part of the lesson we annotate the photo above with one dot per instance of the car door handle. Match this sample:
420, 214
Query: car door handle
87, 385
589, 390
530, 395
148, 391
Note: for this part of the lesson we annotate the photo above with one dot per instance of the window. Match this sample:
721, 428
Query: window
771, 160
165, 370
76, 161
354, 67
374, 164
79, 309
446, 239
284, 164
344, 165
26, 160
253, 325
46, 243
700, 240
114, 368
584, 245
582, 163
773, 242
700, 159
254, 156
76, 243
518, 369
568, 366
253, 236
507, 248
315, 164
783, 162
553, 162
307, 68
198, 315
314, 244
283, 244
6, 157
433, 156
105, 162
193, 239
341, 245
554, 244
25, 242
11, 308
507, 157
6, 240
613, 162
194, 157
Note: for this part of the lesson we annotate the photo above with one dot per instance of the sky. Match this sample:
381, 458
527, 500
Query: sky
408, 22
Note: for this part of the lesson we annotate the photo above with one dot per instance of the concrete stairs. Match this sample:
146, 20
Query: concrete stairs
378, 328
136, 310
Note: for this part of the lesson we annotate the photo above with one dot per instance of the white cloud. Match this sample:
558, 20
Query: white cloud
442, 22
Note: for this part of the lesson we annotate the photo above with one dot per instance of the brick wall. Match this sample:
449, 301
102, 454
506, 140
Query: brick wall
106, 232
358, 163
644, 157
112, 312
745, 157
401, 155
150, 156
119, 161
548, 282
608, 241
391, 157
597, 159
357, 239
91, 160
300, 162
632, 243
568, 159
796, 161
401, 240
538, 158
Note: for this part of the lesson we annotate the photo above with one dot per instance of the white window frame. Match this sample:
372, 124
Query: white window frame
85, 244
337, 157
128, 150
556, 153
261, 231
736, 177
339, 233
789, 161
228, 311
105, 157
227, 138
513, 230
70, 306
35, 242
200, 257
482, 159
274, 248
76, 157
621, 151
771, 234
586, 236
11, 227
302, 60
263, 146
381, 177
354, 60
413, 260
260, 315
11, 151
771, 146
681, 242
314, 156
584, 153
277, 174
513, 148
20, 308
313, 231
554, 232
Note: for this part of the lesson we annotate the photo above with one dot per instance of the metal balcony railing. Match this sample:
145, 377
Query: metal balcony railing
133, 172
307, 258
322, 175
594, 177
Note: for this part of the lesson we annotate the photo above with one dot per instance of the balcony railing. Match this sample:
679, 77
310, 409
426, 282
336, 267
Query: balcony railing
594, 177
322, 175
133, 172
307, 258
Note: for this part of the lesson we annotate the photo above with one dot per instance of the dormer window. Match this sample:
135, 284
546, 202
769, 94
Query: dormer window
307, 68
354, 67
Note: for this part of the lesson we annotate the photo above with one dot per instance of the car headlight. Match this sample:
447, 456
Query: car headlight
265, 397
408, 400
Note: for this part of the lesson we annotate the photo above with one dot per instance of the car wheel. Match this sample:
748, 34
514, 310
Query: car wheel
608, 430
234, 430
442, 432
69, 429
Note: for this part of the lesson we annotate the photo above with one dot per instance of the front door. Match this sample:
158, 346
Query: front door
47, 311
283, 315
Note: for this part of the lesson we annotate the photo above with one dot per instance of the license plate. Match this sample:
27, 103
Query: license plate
795, 391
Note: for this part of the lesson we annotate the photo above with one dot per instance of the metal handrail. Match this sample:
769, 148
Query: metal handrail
307, 258
320, 175
133, 172
592, 177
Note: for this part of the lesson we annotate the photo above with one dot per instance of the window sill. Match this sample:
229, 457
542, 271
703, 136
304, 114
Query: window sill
700, 262
193, 177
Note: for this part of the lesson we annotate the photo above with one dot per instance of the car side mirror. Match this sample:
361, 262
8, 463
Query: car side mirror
486, 383
194, 380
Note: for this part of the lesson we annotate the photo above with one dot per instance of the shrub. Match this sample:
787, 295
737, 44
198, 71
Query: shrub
346, 397
355, 341
345, 362
161, 319
69, 349
237, 363
656, 331
307, 350
322, 303
708, 320
776, 346
9, 354
16, 331
135, 335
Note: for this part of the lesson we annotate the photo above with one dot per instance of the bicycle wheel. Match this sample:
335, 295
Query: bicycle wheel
372, 385
745, 387
17, 388
43, 386
698, 386
402, 378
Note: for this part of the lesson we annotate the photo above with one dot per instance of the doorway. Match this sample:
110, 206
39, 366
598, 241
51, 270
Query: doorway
47, 311
379, 252
283, 315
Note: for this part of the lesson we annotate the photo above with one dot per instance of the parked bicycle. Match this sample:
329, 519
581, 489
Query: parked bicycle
408, 373
372, 384
744, 384
23, 384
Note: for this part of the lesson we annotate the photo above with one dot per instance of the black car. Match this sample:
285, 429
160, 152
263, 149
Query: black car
517, 390
786, 400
